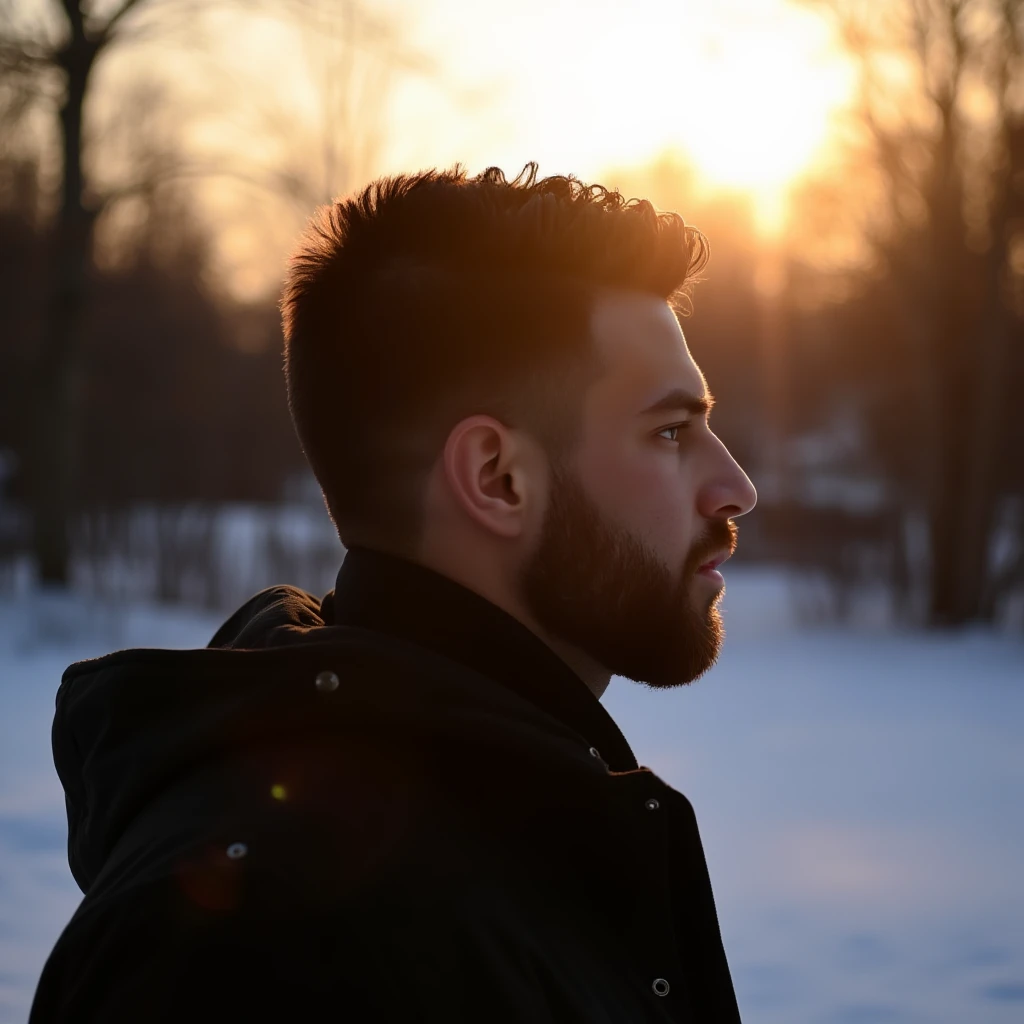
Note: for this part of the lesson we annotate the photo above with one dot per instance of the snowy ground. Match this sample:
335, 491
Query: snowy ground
860, 792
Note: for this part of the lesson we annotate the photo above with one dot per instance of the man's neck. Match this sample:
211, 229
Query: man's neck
596, 676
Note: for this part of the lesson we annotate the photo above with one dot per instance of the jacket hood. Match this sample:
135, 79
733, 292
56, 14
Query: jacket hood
131, 725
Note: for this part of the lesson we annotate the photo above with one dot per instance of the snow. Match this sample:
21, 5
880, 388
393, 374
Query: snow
860, 792
861, 797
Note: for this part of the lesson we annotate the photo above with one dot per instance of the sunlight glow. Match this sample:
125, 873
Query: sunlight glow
746, 89
744, 92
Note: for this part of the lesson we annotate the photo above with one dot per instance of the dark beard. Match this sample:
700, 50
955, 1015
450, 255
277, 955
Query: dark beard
599, 588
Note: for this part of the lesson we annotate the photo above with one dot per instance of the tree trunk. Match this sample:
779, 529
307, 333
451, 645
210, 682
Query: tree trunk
986, 430
949, 596
977, 395
57, 369
949, 593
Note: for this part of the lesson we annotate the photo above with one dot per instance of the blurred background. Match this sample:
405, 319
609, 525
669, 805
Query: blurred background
858, 167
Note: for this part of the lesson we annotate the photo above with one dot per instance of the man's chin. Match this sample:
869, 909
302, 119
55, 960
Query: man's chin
657, 651
674, 668
700, 655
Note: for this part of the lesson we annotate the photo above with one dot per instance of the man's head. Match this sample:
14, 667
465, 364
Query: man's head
472, 365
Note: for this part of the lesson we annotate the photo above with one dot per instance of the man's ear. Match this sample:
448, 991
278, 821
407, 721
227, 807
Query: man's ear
485, 469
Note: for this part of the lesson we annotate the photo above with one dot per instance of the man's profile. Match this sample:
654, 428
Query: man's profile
405, 801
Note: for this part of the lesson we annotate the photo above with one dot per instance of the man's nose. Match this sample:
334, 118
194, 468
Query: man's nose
727, 491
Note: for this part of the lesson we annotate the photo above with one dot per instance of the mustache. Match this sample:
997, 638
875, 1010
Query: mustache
721, 534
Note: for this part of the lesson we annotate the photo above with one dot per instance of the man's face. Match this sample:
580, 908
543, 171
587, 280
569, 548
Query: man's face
648, 498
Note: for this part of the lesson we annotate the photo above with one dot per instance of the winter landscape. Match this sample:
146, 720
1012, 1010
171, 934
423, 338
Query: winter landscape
854, 171
860, 792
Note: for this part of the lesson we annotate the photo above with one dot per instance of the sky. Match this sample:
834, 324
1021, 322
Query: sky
748, 93
746, 88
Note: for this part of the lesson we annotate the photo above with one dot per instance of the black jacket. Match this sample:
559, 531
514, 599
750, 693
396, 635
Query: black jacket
394, 805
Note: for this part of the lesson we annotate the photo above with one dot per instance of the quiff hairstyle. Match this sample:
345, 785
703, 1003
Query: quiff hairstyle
427, 298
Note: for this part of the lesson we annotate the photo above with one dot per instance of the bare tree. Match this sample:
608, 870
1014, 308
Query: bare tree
50, 52
941, 119
64, 41
351, 57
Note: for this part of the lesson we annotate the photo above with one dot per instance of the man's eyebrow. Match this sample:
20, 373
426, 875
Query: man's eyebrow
679, 400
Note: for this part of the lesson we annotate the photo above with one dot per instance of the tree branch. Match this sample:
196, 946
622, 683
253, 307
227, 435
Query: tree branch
108, 30
76, 17
276, 183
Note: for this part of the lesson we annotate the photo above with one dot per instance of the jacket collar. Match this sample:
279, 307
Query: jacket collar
392, 595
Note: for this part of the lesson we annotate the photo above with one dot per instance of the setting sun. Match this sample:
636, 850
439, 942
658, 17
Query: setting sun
742, 92
745, 90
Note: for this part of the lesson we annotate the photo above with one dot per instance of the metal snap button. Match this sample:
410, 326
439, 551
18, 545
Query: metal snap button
652, 804
236, 850
327, 681
660, 986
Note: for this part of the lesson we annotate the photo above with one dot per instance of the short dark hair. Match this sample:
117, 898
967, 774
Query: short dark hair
427, 298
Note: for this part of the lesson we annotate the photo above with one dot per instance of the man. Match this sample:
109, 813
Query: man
405, 802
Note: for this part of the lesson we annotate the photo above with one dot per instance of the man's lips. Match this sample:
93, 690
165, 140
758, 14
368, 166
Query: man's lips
715, 561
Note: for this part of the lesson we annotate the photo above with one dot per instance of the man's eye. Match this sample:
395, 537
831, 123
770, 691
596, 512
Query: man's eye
674, 430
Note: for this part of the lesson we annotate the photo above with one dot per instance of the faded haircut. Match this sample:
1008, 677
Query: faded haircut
430, 297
